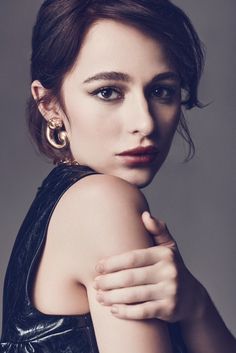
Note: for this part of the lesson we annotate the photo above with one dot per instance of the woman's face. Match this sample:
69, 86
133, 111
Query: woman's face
108, 115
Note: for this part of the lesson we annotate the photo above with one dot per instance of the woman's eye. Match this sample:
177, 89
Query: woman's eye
108, 93
166, 94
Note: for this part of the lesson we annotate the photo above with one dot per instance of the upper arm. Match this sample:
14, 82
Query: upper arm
105, 219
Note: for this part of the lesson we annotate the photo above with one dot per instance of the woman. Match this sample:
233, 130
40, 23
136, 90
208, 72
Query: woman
148, 60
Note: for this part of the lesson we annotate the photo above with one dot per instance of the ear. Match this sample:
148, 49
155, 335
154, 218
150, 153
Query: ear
48, 108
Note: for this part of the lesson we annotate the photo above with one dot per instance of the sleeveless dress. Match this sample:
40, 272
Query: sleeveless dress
24, 328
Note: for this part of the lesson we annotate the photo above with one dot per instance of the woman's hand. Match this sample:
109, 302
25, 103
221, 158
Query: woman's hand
152, 282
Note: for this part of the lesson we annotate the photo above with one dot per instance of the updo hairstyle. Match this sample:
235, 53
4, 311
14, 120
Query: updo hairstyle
59, 32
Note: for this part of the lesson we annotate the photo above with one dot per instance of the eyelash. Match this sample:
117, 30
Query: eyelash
171, 93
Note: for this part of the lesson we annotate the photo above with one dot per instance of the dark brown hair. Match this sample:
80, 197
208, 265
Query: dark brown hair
59, 32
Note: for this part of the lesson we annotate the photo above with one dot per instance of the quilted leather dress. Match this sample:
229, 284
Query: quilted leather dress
24, 328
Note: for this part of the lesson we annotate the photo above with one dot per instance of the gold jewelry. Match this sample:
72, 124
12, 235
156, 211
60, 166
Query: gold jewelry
68, 161
55, 135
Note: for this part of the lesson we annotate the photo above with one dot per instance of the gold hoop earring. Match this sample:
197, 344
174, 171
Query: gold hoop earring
56, 137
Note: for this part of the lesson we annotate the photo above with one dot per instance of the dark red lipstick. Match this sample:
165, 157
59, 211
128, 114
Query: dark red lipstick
139, 155
139, 151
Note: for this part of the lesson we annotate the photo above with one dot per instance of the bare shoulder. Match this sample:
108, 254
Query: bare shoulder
99, 216
105, 188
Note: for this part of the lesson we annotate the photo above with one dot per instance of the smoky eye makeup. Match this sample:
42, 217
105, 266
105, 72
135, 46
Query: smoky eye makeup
107, 92
163, 92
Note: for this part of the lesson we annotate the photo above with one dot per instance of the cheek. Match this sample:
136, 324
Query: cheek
168, 119
83, 119
175, 119
97, 125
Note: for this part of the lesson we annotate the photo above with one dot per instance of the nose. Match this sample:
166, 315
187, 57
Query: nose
140, 119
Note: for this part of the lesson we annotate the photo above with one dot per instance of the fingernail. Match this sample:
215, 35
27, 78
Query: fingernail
114, 310
97, 278
95, 283
99, 268
99, 297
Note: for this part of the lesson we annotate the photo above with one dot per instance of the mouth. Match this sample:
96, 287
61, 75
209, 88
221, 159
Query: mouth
140, 151
143, 159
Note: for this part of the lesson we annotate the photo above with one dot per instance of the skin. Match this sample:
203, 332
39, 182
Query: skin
189, 303
140, 114
101, 124
162, 265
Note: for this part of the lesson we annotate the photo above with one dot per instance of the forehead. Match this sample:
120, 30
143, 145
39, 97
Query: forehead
112, 45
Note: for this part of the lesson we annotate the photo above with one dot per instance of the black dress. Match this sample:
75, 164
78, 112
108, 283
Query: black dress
24, 328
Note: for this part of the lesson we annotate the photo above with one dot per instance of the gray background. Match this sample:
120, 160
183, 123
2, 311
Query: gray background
197, 199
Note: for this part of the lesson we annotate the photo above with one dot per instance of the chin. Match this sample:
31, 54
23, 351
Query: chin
139, 177
142, 184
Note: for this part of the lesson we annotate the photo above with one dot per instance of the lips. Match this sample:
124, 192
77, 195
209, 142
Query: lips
140, 151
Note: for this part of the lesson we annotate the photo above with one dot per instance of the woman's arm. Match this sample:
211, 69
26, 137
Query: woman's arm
105, 219
202, 327
206, 332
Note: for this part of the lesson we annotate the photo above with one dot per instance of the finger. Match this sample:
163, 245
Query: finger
135, 258
132, 295
158, 229
147, 310
127, 278
155, 226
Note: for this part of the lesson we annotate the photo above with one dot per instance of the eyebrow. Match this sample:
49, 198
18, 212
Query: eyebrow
120, 76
